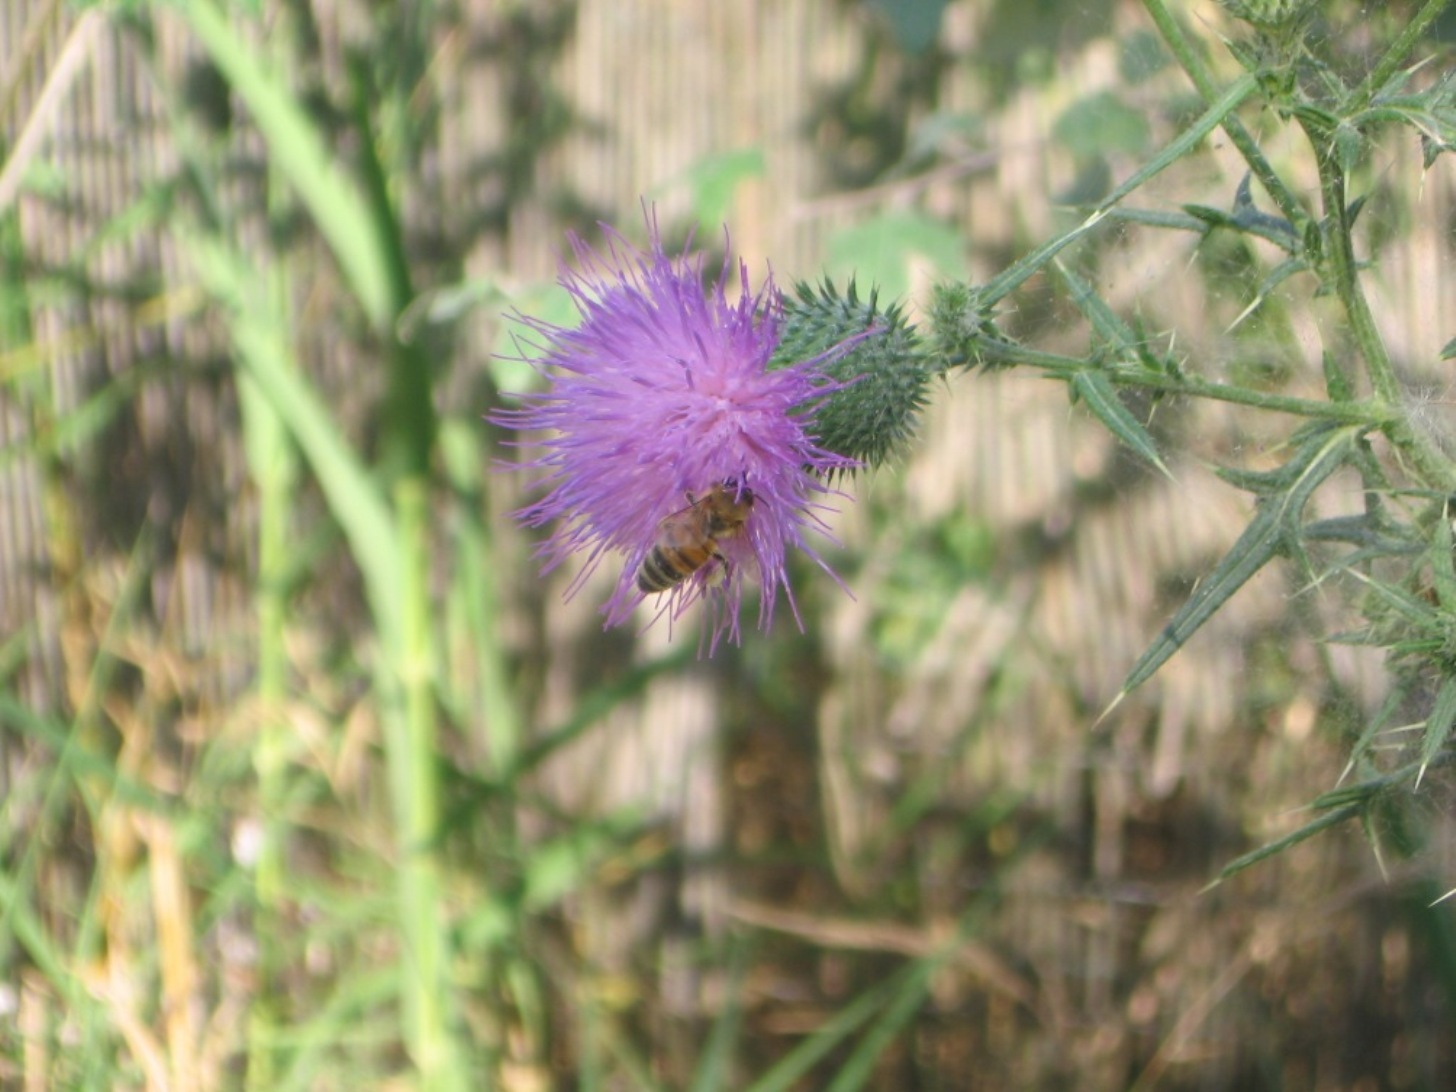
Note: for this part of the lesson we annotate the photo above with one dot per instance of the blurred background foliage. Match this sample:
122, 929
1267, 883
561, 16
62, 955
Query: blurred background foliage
307, 780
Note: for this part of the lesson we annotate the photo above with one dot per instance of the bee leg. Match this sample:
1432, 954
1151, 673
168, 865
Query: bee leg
721, 570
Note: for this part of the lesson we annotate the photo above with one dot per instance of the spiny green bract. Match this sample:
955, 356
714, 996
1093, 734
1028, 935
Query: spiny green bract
881, 377
1269, 14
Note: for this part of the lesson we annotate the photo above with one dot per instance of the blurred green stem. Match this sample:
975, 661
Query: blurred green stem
273, 471
410, 729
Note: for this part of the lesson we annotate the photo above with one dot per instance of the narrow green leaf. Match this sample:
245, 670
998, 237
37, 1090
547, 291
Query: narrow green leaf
1261, 483
299, 151
1277, 276
1108, 326
1393, 701
1309, 830
1158, 218
715, 1066
1260, 542
1336, 381
1019, 273
1438, 724
1271, 529
262, 348
859, 1068
832, 1033
1098, 394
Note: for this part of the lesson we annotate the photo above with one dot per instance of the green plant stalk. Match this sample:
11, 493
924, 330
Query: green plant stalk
1371, 412
408, 695
1342, 269
390, 545
273, 471
1208, 90
408, 443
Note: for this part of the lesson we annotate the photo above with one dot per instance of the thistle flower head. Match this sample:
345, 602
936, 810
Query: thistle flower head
660, 398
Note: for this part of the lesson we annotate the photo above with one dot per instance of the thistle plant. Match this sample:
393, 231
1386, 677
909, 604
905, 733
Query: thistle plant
661, 393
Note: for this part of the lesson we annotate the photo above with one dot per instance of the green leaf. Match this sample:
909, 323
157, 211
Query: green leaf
260, 339
1277, 276
1443, 569
1337, 383
1273, 528
1098, 394
299, 151
1094, 387
1438, 724
1349, 147
1246, 217
1309, 830
1105, 321
1388, 708
1014, 276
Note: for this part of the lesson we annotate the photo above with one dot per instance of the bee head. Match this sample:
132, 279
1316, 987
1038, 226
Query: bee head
739, 488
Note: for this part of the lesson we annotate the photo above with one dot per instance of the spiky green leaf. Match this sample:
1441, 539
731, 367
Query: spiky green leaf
1098, 394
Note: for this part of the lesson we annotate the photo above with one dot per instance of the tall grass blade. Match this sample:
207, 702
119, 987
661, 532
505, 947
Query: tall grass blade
259, 335
299, 151
859, 1068
832, 1033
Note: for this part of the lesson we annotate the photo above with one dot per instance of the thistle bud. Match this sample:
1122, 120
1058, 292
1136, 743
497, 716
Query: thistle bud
872, 360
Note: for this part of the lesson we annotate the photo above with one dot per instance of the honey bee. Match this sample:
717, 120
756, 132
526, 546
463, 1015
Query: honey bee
688, 539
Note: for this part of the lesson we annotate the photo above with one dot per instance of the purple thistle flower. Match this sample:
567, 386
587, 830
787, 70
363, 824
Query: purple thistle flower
661, 396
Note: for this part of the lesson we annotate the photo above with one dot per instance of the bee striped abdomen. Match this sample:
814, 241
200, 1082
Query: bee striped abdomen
666, 566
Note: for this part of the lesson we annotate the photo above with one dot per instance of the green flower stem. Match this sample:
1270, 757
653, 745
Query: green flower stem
1208, 89
1396, 55
1375, 413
